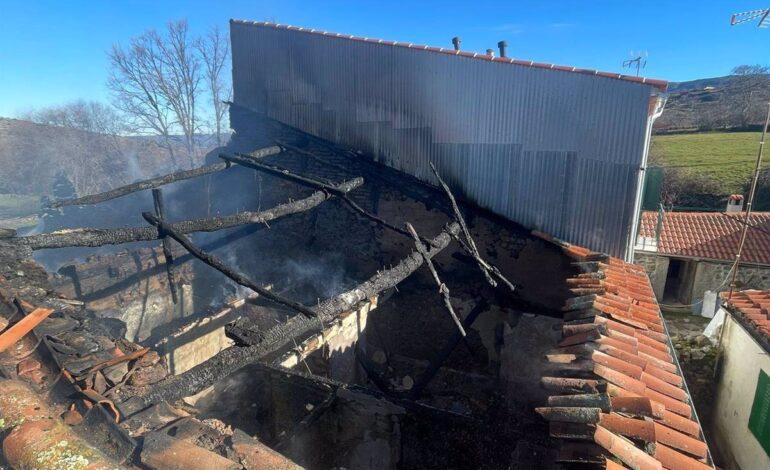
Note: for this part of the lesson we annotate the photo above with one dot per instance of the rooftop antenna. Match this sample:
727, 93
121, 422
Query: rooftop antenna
637, 60
746, 16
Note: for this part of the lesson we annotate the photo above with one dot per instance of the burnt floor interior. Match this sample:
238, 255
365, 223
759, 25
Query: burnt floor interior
361, 399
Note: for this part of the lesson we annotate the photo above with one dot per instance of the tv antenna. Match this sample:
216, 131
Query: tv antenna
637, 60
746, 16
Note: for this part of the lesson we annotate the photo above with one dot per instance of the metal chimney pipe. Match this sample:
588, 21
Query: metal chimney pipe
491, 52
503, 45
456, 42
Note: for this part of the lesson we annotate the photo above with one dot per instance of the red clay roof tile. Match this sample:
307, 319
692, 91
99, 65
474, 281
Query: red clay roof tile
711, 235
752, 305
619, 329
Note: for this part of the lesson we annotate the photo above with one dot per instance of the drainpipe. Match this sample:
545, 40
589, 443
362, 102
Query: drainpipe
636, 214
503, 45
456, 42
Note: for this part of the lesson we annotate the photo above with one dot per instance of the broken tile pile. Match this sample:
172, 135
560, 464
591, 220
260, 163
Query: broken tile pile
60, 365
618, 394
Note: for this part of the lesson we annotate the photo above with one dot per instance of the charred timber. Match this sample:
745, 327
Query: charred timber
442, 288
157, 198
459, 216
263, 343
165, 229
351, 204
331, 386
446, 351
279, 172
99, 237
360, 210
469, 245
158, 181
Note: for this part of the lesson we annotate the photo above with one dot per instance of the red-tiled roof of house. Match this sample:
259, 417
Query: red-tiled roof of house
616, 381
661, 85
753, 306
713, 235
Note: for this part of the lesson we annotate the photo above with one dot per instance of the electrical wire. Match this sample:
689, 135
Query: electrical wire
750, 225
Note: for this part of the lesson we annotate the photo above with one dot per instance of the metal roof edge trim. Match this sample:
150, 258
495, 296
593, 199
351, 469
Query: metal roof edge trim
660, 85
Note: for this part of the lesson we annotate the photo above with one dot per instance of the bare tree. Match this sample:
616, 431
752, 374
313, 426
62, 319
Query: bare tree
155, 82
91, 129
136, 90
750, 79
89, 116
180, 79
214, 49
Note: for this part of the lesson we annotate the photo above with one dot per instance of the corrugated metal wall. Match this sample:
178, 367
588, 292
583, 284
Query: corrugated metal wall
552, 150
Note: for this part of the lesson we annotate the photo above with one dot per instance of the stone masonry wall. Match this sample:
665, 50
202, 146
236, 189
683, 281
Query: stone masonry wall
656, 267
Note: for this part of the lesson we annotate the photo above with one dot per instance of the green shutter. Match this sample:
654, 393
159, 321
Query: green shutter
759, 420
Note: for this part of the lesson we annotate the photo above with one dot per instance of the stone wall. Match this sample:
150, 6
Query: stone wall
698, 276
711, 274
656, 268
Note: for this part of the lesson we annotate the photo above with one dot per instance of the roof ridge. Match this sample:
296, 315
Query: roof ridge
661, 85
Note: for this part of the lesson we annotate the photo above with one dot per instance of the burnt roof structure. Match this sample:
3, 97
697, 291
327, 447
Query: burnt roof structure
391, 365
554, 148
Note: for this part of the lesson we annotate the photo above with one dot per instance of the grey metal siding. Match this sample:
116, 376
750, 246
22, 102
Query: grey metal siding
549, 149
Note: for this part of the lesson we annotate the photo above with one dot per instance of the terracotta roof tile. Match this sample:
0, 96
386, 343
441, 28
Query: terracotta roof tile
753, 306
713, 235
617, 327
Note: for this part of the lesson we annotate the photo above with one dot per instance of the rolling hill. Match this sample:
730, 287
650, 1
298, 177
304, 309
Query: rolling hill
710, 104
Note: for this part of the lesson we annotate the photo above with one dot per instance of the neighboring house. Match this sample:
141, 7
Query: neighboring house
742, 413
689, 253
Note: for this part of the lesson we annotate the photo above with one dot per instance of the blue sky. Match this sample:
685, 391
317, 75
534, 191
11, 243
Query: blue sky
55, 51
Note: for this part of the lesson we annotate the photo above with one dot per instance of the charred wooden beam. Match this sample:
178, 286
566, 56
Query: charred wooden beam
443, 355
385, 279
99, 237
283, 173
314, 415
158, 181
442, 288
360, 210
265, 342
469, 245
351, 204
305, 380
313, 156
157, 198
461, 221
240, 278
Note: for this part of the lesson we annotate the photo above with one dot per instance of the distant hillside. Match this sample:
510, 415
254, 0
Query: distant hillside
32, 155
720, 103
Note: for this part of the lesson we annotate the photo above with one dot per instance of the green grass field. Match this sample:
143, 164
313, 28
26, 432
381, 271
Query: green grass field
735, 152
17, 211
16, 205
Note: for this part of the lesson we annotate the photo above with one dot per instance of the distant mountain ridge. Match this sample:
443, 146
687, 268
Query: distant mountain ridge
720, 103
